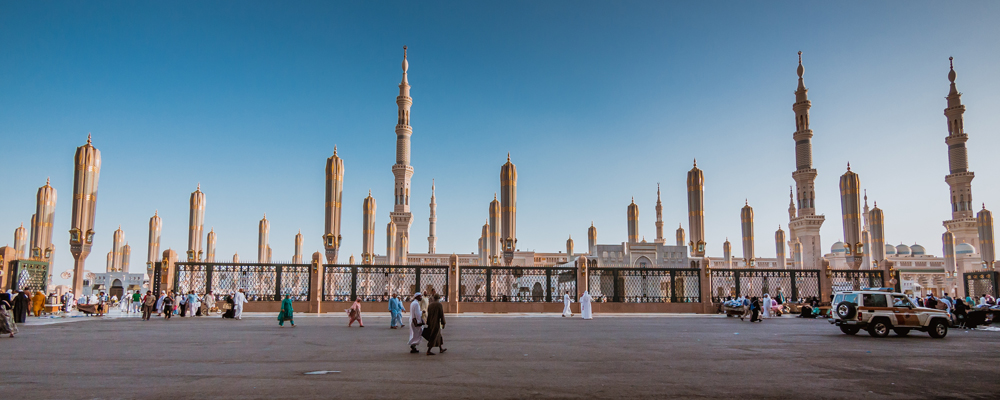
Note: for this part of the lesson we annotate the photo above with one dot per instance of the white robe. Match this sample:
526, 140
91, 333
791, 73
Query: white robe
765, 304
238, 301
415, 331
567, 312
585, 310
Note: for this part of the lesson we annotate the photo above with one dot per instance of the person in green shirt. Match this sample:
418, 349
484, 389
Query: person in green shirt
286, 312
136, 301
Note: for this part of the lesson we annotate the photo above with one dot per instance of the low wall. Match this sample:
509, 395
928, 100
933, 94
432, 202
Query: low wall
493, 307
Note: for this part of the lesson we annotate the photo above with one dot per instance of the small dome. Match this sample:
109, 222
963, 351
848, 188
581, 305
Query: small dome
890, 249
965, 248
903, 250
838, 247
917, 250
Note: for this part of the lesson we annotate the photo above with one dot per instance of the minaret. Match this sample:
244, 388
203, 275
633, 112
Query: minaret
592, 240
117, 243
984, 223
432, 224
332, 208
633, 222
963, 223
153, 246
727, 253
210, 246
680, 235
806, 225
569, 247
263, 231
508, 210
779, 248
297, 257
86, 173
45, 216
367, 230
696, 210
402, 170
20, 239
746, 224
126, 257
390, 238
493, 240
196, 225
877, 221
948, 247
484, 240
236, 257
31, 236
659, 217
866, 241
350, 261
850, 206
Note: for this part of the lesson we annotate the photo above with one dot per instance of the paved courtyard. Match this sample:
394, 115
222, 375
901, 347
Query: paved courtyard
533, 356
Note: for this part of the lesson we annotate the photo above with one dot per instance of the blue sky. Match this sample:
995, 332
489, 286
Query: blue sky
595, 101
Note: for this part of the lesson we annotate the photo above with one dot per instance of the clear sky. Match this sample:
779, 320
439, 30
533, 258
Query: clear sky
595, 101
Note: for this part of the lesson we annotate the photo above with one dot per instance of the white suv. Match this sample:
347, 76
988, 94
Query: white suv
880, 310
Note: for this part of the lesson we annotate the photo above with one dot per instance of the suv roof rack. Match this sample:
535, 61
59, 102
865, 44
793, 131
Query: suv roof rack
880, 289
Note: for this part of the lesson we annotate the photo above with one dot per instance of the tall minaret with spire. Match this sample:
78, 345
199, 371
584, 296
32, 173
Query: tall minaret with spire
592, 240
367, 230
493, 240
779, 248
117, 242
45, 216
20, 241
432, 224
263, 248
390, 243
851, 211
746, 225
508, 209
696, 210
402, 170
297, 257
632, 213
806, 225
659, 217
332, 208
86, 174
196, 225
210, 246
153, 246
963, 222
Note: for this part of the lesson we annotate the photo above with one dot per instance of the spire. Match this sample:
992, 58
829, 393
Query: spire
406, 66
88, 138
508, 156
198, 189
47, 181
951, 76
156, 213
696, 163
334, 149
800, 70
432, 187
848, 166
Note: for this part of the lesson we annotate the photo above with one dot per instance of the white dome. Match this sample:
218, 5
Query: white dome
965, 248
917, 250
838, 247
903, 250
890, 249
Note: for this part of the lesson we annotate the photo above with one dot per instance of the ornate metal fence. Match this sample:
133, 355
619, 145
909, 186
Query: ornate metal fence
260, 282
645, 285
843, 280
379, 282
516, 284
27, 274
980, 283
750, 282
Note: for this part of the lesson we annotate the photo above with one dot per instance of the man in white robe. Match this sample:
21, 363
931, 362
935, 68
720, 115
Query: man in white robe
416, 323
765, 306
238, 301
159, 303
585, 310
207, 304
567, 312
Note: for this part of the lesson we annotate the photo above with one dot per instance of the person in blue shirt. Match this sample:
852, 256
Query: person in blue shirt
396, 308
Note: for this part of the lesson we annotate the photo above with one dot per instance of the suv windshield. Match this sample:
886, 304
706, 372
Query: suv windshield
848, 297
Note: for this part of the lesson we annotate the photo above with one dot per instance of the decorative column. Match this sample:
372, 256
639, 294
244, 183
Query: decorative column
592, 240
680, 235
779, 248
20, 241
877, 223
87, 172
334, 201
727, 253
493, 241
569, 248
454, 278
390, 248
210, 246
117, 245
316, 274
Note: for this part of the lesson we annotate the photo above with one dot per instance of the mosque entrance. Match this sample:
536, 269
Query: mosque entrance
117, 289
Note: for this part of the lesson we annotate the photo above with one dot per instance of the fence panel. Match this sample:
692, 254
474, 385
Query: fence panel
980, 283
844, 280
562, 280
337, 283
260, 282
749, 282
474, 284
645, 285
434, 280
33, 275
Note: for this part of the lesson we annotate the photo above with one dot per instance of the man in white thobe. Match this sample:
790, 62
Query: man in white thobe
416, 323
585, 310
765, 305
208, 303
238, 301
567, 312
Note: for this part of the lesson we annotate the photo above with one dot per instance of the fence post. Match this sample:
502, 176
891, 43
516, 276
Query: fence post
416, 280
316, 283
736, 277
354, 282
167, 267
614, 278
277, 283
489, 284
453, 282
548, 285
795, 286
673, 286
208, 277
825, 282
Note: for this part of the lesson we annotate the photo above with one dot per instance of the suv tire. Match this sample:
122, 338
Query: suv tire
878, 328
849, 330
846, 310
938, 329
901, 331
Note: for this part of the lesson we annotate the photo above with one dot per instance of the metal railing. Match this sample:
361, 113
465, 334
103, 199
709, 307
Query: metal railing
843, 280
645, 285
516, 284
380, 282
751, 282
260, 282
980, 283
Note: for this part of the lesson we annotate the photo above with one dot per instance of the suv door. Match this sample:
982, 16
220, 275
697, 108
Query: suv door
904, 312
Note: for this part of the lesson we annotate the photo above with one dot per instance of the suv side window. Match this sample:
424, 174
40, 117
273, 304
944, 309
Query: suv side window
901, 301
874, 300
851, 298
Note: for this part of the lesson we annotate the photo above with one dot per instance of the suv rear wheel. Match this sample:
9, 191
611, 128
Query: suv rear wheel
879, 328
901, 331
938, 329
849, 330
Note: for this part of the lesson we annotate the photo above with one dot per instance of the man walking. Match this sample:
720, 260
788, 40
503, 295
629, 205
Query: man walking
567, 312
238, 301
435, 323
396, 308
136, 301
585, 310
416, 322
148, 304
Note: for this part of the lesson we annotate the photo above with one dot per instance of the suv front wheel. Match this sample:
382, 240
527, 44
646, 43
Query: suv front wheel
879, 328
938, 329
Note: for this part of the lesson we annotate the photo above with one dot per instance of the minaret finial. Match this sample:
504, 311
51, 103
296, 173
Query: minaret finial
156, 213
369, 193
88, 137
696, 162
848, 166
334, 149
800, 70
494, 195
199, 187
47, 181
432, 186
984, 206
746, 202
951, 74
508, 156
